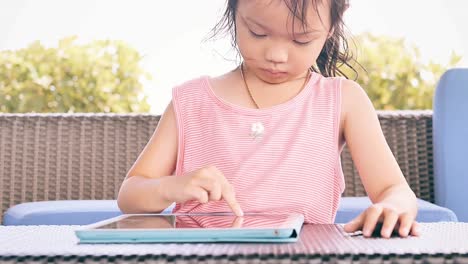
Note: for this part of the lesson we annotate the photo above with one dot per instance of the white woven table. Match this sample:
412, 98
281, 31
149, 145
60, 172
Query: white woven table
436, 238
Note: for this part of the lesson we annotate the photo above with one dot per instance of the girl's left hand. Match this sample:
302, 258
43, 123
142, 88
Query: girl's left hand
390, 218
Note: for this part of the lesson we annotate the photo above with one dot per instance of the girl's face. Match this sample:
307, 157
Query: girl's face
269, 45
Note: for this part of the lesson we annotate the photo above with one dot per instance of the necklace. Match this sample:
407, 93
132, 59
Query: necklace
250, 93
257, 129
246, 86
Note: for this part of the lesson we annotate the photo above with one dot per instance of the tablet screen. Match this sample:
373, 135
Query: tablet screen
199, 221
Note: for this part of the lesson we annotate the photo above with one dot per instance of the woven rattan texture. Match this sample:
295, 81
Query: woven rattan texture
436, 238
253, 259
86, 156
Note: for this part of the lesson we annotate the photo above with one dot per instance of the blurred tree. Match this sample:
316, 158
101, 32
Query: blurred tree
102, 76
396, 77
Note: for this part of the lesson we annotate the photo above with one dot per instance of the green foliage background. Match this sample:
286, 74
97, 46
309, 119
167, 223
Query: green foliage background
102, 76
106, 76
395, 76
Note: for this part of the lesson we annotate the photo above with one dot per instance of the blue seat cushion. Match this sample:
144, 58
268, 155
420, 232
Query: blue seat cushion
351, 207
82, 212
68, 212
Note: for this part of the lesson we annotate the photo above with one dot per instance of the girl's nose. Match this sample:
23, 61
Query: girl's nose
276, 54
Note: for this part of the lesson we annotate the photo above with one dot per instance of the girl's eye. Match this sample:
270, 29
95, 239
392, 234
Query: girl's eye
256, 35
302, 43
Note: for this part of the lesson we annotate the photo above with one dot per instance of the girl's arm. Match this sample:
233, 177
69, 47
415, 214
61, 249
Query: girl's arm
394, 203
140, 191
150, 187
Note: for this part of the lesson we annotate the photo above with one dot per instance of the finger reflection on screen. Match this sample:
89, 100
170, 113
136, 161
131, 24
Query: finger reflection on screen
145, 221
238, 222
227, 221
197, 221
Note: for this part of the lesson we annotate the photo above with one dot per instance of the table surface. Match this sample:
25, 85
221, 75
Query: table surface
436, 238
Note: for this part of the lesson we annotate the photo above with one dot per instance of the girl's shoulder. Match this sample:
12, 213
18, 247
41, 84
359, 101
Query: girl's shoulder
217, 84
352, 93
203, 91
349, 89
188, 95
194, 84
354, 100
223, 82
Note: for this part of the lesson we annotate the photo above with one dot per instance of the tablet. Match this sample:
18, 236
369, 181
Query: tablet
201, 227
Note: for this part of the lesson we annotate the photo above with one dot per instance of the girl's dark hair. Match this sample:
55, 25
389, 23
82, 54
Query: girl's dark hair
335, 52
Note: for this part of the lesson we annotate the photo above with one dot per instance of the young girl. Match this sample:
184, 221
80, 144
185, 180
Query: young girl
267, 136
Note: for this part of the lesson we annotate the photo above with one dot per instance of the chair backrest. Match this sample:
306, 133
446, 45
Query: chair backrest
86, 156
450, 131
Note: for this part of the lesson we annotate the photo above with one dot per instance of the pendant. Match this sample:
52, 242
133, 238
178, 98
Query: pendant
257, 130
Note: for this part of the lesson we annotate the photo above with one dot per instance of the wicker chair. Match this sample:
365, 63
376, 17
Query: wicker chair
46, 157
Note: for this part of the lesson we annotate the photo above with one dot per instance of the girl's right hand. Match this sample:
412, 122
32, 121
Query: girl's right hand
204, 185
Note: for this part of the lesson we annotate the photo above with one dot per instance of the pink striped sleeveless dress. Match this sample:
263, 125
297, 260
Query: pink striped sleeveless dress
282, 159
